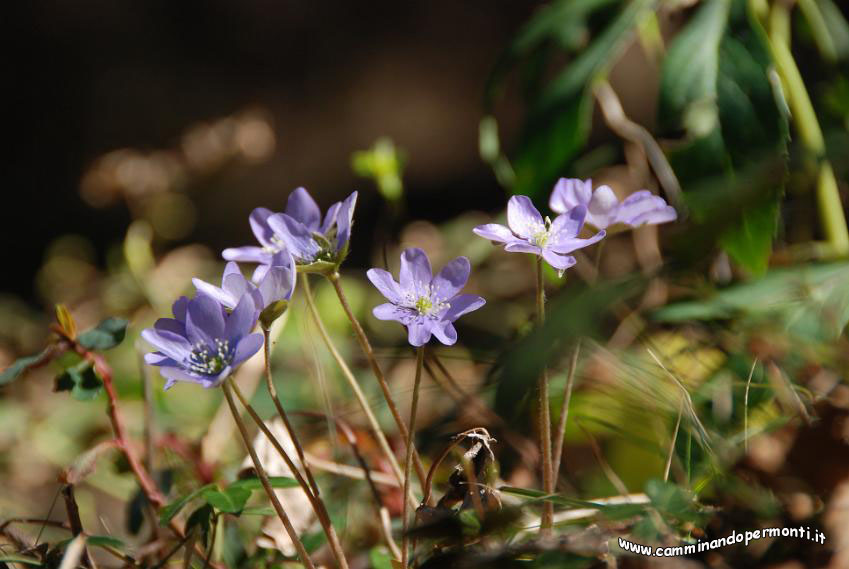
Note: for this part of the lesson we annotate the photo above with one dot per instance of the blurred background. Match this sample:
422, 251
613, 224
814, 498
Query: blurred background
146, 132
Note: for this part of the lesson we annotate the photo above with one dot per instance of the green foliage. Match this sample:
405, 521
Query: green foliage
21, 366
81, 380
231, 500
384, 164
811, 302
108, 334
716, 85
559, 120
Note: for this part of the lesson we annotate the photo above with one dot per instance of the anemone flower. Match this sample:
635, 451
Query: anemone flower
427, 305
603, 207
271, 294
528, 232
203, 343
310, 239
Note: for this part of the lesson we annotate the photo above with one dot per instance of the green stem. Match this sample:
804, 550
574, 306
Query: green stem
544, 415
828, 197
263, 478
354, 384
409, 456
378, 372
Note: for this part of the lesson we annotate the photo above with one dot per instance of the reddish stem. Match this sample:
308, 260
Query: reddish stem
103, 369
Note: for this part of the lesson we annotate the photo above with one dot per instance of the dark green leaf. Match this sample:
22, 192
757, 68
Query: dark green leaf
201, 519
105, 541
716, 85
81, 380
230, 501
167, 513
672, 500
108, 334
560, 120
21, 365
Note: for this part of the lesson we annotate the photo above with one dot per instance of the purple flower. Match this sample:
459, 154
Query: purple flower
271, 294
310, 239
426, 304
301, 230
530, 233
203, 344
604, 209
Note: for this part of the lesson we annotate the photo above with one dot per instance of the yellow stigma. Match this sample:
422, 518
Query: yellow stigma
424, 305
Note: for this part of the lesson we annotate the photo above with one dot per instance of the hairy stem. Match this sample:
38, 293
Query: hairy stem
269, 383
378, 372
315, 500
544, 415
409, 457
263, 478
354, 385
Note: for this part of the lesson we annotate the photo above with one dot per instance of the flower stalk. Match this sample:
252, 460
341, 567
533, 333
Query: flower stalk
376, 369
263, 478
544, 414
405, 553
269, 383
354, 385
315, 500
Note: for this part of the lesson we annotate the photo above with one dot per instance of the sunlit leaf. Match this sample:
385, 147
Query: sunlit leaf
167, 513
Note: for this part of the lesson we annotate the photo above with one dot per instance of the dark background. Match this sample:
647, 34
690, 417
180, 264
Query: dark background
94, 76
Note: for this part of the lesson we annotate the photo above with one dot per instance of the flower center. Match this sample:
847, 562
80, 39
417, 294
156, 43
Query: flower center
428, 303
276, 246
210, 360
541, 233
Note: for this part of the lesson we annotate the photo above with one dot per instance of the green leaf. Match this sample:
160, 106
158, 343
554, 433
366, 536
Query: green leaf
108, 334
672, 500
750, 243
167, 513
254, 483
22, 365
81, 380
23, 559
807, 301
690, 68
230, 501
560, 120
732, 164
380, 558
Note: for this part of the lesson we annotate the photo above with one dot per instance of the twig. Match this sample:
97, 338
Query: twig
354, 472
615, 117
103, 370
